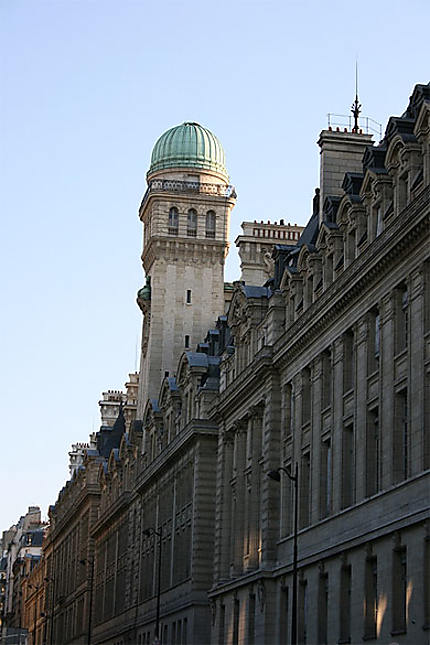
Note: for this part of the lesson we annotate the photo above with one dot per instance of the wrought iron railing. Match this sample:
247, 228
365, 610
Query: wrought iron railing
368, 125
177, 186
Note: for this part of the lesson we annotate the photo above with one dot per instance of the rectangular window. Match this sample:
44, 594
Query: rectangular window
348, 466
402, 318
322, 608
426, 274
374, 341
284, 621
399, 590
325, 478
304, 483
372, 452
210, 224
287, 503
185, 630
236, 609
192, 223
173, 225
401, 437
345, 604
188, 296
351, 246
326, 378
187, 341
221, 626
348, 360
251, 620
328, 273
371, 599
426, 581
288, 410
403, 192
303, 612
306, 395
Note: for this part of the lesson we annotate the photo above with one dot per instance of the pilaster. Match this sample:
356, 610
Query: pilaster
386, 388
238, 486
337, 421
416, 372
316, 427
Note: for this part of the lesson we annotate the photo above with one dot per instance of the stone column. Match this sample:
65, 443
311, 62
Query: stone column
203, 513
256, 423
270, 490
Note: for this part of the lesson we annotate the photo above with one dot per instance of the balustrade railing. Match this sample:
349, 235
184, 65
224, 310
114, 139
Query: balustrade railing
177, 186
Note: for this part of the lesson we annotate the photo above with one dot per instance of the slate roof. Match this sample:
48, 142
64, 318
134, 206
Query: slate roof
256, 292
109, 438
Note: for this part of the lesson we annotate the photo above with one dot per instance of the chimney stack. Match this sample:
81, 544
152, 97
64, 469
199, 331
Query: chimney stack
341, 152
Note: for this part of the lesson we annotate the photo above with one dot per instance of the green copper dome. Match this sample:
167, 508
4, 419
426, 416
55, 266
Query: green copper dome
188, 145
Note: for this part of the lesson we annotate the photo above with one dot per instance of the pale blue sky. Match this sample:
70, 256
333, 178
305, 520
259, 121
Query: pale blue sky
87, 88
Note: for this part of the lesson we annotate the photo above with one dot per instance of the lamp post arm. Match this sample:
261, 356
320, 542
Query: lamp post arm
294, 477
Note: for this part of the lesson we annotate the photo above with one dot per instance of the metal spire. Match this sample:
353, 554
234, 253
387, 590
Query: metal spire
356, 106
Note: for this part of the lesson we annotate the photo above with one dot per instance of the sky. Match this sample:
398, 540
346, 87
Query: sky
87, 88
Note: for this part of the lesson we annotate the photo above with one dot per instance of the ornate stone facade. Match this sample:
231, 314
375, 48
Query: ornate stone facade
324, 368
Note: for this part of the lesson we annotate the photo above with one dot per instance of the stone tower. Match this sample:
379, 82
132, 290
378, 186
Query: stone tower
185, 213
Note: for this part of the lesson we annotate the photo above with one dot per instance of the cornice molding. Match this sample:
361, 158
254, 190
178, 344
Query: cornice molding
403, 233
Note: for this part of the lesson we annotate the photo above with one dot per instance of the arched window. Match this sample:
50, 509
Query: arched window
210, 224
192, 223
173, 221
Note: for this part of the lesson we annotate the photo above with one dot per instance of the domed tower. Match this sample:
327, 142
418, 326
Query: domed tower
185, 213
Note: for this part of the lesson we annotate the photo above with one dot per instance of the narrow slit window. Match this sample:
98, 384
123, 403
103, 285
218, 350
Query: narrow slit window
210, 224
192, 223
173, 221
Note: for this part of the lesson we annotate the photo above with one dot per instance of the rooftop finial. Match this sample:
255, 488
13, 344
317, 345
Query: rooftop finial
356, 106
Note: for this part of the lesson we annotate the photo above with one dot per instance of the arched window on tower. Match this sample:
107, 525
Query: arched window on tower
192, 223
173, 221
210, 224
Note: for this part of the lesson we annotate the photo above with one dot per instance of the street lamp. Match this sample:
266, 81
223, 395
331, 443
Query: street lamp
159, 534
275, 475
90, 604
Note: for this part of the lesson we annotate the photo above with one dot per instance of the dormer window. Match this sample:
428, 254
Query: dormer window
173, 221
192, 222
